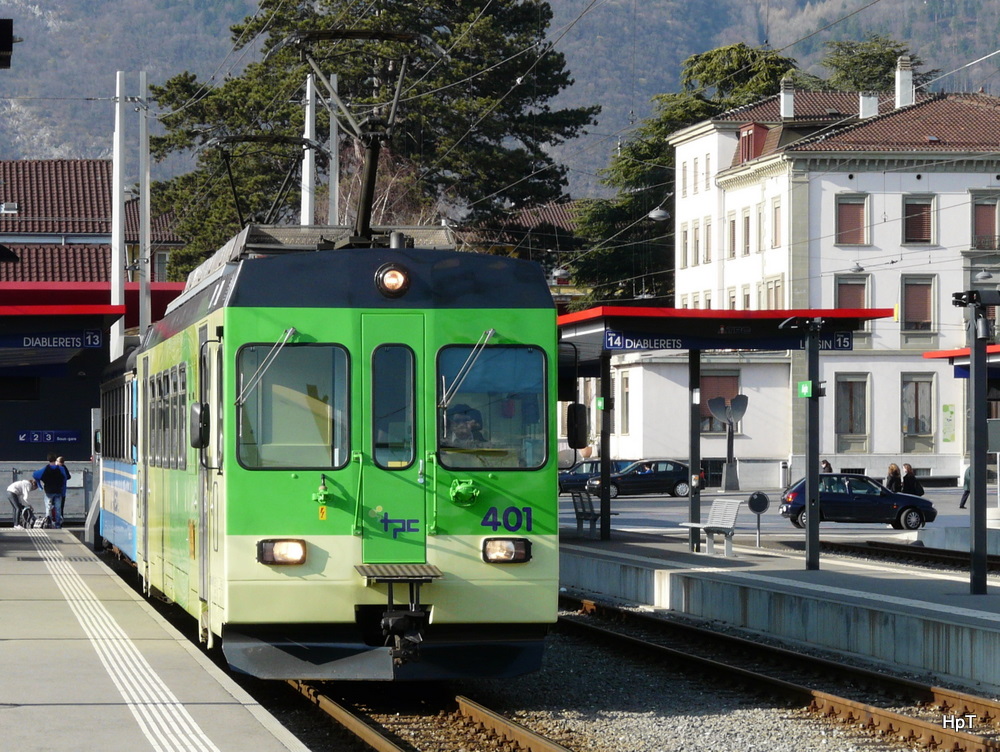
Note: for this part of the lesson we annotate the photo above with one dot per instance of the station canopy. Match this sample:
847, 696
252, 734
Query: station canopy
586, 335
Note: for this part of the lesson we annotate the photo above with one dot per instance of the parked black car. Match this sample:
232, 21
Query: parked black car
575, 479
647, 477
844, 497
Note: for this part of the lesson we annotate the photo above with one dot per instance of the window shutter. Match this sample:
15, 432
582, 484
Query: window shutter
917, 222
727, 386
985, 219
917, 305
850, 222
850, 294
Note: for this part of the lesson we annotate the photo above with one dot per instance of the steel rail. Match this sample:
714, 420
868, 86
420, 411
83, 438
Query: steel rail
509, 730
880, 720
352, 722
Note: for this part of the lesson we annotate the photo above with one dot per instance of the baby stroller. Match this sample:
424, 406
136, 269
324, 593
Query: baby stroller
29, 519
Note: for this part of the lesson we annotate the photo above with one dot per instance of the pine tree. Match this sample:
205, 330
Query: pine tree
471, 132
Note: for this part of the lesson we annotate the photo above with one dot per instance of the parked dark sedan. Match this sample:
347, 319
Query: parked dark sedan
647, 477
575, 479
845, 497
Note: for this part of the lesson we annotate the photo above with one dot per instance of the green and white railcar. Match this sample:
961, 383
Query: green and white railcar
346, 461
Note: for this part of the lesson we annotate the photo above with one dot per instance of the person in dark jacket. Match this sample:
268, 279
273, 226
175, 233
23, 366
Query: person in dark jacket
966, 486
53, 484
910, 483
893, 479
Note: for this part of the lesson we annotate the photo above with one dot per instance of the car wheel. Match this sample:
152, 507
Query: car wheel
682, 489
799, 520
911, 519
613, 491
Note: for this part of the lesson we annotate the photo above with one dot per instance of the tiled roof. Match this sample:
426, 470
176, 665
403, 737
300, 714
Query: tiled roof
557, 218
811, 106
68, 197
56, 196
945, 123
57, 263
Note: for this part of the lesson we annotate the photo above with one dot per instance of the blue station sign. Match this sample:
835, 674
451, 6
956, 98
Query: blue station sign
617, 340
54, 340
48, 437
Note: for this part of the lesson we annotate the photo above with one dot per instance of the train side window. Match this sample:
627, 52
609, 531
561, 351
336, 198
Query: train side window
296, 415
393, 398
492, 407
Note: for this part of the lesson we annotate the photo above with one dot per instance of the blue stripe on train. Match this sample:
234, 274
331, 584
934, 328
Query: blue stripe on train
118, 532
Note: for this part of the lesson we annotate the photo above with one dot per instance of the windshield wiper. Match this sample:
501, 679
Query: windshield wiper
463, 372
264, 365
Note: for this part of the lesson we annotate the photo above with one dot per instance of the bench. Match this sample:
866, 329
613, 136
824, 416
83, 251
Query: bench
583, 506
721, 521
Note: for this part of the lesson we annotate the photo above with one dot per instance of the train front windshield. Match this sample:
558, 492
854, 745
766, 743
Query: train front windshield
491, 407
296, 413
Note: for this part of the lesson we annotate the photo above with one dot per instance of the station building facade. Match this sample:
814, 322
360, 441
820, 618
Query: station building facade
55, 310
829, 200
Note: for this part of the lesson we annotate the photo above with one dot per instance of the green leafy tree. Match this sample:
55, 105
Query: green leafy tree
631, 258
870, 65
471, 133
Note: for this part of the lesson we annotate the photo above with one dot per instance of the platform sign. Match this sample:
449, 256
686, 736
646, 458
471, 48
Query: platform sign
66, 340
48, 437
834, 341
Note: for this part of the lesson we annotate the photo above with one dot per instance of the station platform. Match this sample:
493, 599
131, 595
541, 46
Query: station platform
907, 618
87, 662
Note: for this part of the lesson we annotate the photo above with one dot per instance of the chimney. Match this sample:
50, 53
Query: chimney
787, 98
904, 82
867, 104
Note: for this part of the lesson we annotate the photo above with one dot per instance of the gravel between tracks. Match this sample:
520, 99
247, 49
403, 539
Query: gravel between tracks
596, 700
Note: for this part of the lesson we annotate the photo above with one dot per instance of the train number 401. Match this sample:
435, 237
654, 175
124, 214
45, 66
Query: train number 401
511, 519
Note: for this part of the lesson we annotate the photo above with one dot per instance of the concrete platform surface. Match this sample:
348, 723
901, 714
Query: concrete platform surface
903, 616
87, 663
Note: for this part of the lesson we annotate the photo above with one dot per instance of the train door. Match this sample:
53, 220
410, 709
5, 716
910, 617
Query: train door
394, 525
204, 380
142, 468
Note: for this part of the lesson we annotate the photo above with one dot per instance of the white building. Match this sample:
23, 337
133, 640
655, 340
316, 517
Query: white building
829, 200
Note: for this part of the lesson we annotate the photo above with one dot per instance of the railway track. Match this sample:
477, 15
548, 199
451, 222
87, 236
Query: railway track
906, 711
907, 553
463, 727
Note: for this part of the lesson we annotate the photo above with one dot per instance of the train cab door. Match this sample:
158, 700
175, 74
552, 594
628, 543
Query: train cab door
394, 518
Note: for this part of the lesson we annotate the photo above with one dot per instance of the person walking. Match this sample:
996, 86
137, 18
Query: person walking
910, 483
17, 495
53, 483
894, 480
61, 462
825, 467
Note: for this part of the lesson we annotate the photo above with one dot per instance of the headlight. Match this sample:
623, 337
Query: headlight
392, 280
281, 551
506, 550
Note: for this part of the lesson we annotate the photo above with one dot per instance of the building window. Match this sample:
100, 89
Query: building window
684, 301
159, 270
708, 241
708, 171
852, 292
731, 240
695, 244
694, 301
746, 297
695, 177
851, 412
731, 296
772, 294
917, 213
917, 313
623, 403
984, 224
684, 178
746, 232
725, 384
917, 412
776, 223
684, 247
851, 224
760, 228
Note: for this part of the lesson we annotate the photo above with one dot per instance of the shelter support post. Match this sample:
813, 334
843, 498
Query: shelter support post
812, 444
607, 406
978, 444
694, 446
